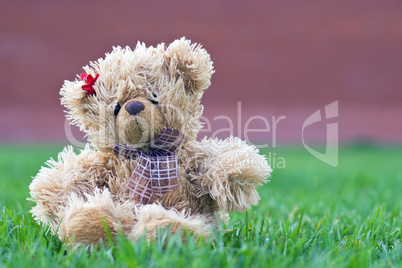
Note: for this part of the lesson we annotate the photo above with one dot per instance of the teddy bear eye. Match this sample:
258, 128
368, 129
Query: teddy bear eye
117, 109
154, 102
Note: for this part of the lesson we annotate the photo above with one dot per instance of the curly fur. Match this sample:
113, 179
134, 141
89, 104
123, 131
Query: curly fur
79, 193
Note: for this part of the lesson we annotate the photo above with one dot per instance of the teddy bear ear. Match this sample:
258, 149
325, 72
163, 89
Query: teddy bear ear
191, 63
77, 97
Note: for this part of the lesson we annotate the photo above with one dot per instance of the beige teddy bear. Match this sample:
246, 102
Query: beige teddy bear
143, 168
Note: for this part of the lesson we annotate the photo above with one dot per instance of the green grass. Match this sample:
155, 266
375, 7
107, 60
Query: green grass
310, 214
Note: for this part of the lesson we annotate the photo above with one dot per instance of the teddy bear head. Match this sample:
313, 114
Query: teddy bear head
131, 95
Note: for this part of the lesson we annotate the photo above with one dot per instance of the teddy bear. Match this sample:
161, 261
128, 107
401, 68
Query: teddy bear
143, 169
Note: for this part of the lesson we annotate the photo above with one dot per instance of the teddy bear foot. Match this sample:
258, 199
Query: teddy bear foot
87, 226
88, 220
151, 218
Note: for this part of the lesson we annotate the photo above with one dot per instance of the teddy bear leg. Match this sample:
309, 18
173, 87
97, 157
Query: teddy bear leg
85, 221
152, 217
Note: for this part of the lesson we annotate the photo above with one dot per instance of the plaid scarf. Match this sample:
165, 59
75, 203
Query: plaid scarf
156, 170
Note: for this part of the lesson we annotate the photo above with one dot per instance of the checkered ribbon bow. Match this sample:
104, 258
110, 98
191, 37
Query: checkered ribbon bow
156, 170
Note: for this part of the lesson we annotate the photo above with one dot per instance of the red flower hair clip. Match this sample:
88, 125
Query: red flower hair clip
90, 82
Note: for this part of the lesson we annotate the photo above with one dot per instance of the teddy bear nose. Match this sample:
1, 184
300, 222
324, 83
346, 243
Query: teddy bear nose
134, 107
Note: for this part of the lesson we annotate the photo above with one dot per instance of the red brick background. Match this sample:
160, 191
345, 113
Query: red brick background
278, 58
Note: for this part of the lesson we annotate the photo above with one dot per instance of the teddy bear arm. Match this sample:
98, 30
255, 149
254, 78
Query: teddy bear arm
53, 185
230, 171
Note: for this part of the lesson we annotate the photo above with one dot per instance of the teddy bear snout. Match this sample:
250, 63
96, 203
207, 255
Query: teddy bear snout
134, 107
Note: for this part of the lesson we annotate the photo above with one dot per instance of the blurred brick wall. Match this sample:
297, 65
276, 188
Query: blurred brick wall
282, 58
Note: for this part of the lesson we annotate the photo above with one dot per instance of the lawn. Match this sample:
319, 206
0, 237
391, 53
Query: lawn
310, 214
